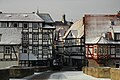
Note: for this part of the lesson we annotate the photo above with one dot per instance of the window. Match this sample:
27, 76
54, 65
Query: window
25, 37
3, 24
45, 37
45, 50
25, 25
35, 25
25, 50
7, 49
15, 24
35, 37
35, 50
117, 36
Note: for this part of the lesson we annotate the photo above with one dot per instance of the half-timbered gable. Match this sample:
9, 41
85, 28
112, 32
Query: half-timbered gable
102, 39
74, 49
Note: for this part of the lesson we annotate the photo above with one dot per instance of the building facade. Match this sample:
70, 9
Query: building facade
62, 27
74, 46
28, 36
102, 39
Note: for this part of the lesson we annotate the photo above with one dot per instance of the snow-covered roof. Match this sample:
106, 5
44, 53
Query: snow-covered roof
20, 17
48, 27
10, 36
77, 29
46, 17
96, 25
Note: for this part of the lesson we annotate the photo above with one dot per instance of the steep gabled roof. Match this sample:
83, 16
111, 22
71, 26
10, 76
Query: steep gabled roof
77, 29
95, 25
46, 17
20, 17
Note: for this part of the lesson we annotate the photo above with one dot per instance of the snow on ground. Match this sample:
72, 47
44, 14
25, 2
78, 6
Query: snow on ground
73, 75
67, 75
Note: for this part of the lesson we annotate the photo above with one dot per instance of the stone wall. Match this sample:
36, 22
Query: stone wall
103, 72
4, 74
20, 72
98, 72
40, 68
115, 73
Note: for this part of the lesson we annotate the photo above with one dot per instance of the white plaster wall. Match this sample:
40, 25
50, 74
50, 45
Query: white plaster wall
4, 64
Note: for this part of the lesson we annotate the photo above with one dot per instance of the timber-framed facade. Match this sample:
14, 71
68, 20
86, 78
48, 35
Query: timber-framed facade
74, 46
26, 38
102, 39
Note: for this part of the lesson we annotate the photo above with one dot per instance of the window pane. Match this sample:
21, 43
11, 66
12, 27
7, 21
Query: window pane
35, 37
35, 25
25, 37
35, 50
7, 50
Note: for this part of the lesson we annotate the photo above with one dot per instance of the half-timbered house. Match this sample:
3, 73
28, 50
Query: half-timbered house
102, 39
60, 31
26, 37
74, 45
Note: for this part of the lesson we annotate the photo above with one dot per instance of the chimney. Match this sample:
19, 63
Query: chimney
118, 15
64, 18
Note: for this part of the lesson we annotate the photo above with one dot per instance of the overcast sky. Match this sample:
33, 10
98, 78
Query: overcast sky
74, 9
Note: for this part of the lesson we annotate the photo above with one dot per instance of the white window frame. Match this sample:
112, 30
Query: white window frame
117, 36
25, 37
35, 37
35, 50
45, 37
7, 49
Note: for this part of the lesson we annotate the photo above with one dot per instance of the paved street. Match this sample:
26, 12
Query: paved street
65, 75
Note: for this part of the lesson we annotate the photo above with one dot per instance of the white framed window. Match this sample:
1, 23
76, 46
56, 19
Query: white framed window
35, 25
25, 25
25, 37
35, 37
35, 50
25, 50
7, 49
45, 37
117, 36
45, 50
